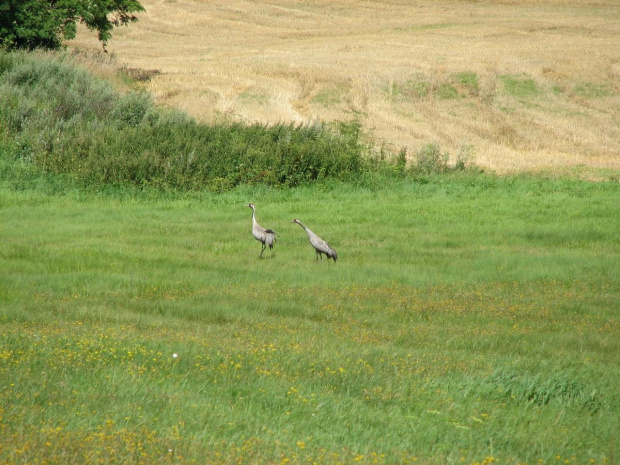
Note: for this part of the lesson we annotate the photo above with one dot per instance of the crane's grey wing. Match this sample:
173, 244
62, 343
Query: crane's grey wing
270, 237
324, 247
320, 244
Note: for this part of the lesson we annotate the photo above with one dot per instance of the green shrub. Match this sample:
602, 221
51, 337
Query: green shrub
39, 91
132, 108
430, 160
69, 122
64, 121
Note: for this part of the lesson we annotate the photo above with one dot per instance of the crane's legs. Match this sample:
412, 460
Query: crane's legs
262, 250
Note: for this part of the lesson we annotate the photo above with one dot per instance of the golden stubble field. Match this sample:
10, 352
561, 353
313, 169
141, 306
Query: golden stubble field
524, 84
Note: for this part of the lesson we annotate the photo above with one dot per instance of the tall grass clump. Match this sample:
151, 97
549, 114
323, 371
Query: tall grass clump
429, 159
63, 120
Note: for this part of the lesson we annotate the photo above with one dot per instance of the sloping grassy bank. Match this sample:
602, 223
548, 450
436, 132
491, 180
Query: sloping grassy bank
63, 120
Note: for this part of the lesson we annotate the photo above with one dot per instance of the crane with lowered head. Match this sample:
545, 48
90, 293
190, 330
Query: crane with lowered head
320, 246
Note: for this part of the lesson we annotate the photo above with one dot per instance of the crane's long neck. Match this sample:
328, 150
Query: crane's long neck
254, 217
305, 229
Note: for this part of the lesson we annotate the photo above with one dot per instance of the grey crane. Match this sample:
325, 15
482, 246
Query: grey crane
267, 237
320, 246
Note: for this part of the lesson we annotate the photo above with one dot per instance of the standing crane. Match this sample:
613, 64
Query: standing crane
320, 246
267, 237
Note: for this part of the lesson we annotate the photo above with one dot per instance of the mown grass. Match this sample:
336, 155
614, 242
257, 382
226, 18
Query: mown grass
469, 319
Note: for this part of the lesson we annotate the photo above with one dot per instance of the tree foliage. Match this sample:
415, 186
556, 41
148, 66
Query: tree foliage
30, 24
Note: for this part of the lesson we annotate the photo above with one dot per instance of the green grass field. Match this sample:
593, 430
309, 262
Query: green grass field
469, 319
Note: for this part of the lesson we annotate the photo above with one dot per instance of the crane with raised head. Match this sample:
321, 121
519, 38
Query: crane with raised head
267, 237
320, 246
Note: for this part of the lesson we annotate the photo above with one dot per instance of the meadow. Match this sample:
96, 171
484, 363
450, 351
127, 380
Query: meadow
469, 319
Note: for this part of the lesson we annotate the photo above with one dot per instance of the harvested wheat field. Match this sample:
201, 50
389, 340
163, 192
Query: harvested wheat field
517, 85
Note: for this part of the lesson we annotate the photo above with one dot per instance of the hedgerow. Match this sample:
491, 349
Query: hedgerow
63, 120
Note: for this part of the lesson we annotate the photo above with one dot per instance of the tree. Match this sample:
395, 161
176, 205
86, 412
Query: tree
30, 24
